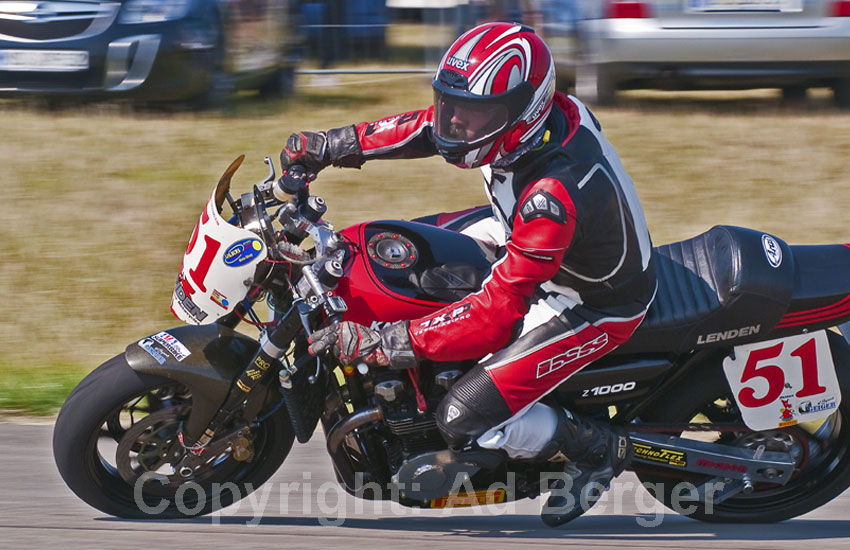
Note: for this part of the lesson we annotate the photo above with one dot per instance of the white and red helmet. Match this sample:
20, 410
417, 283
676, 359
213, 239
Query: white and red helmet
492, 93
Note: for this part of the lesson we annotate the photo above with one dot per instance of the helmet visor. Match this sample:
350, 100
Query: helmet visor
463, 123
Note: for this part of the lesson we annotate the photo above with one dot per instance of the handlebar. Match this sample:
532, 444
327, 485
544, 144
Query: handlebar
293, 181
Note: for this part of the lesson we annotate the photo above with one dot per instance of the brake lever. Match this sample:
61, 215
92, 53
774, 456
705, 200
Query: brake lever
267, 185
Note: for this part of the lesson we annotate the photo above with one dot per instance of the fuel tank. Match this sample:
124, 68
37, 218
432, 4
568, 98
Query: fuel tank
403, 270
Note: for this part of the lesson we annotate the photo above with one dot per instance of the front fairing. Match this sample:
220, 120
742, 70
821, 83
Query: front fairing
403, 270
217, 269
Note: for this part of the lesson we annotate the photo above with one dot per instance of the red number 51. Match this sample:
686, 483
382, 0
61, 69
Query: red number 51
775, 376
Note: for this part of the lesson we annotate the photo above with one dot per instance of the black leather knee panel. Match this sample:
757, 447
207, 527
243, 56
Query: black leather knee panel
473, 406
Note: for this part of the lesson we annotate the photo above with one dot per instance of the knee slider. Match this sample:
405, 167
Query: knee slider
472, 406
458, 424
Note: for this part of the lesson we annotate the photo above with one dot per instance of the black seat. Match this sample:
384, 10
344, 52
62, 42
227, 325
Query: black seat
715, 289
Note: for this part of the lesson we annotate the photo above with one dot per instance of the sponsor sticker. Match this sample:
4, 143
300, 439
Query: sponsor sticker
147, 345
185, 302
478, 498
219, 299
786, 411
722, 466
172, 345
660, 454
242, 252
823, 405
772, 250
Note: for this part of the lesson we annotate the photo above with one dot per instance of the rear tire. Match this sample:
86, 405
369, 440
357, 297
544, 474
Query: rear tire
825, 473
90, 433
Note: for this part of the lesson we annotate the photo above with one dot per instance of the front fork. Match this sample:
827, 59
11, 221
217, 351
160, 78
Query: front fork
273, 346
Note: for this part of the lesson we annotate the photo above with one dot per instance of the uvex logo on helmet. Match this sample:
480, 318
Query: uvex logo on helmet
459, 64
492, 93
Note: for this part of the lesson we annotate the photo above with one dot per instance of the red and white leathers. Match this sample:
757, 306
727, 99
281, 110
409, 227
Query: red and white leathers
574, 281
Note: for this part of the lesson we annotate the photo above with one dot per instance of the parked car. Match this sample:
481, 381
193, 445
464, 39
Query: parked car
713, 44
155, 50
341, 29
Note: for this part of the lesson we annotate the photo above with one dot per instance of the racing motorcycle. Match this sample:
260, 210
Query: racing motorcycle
732, 385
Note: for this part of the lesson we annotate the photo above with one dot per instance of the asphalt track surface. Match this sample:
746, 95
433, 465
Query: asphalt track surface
38, 511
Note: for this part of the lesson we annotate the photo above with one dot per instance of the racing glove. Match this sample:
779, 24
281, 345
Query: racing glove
317, 150
354, 343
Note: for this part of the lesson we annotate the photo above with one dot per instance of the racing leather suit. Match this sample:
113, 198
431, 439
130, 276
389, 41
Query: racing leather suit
573, 282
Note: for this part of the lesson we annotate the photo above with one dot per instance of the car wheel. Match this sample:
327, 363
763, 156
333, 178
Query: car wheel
594, 86
794, 94
220, 85
280, 84
841, 91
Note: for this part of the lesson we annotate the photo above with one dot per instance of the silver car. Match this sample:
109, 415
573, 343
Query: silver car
713, 44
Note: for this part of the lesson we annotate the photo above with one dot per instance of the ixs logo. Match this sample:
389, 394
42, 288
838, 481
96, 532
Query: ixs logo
457, 314
573, 354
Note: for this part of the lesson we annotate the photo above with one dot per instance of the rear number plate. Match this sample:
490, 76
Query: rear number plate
783, 382
44, 60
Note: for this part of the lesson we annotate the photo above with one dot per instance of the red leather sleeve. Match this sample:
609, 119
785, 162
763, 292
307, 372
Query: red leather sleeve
484, 322
407, 135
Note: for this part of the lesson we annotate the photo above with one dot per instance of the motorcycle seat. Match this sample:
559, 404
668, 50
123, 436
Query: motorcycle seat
726, 286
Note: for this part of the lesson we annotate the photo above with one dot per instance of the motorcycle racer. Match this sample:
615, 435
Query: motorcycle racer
574, 276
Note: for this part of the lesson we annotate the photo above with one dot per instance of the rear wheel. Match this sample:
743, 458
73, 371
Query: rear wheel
115, 443
821, 451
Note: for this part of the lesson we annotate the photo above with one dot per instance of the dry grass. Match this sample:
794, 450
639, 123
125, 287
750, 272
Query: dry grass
100, 200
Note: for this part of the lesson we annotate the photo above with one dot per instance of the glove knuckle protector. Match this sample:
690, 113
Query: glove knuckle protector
306, 148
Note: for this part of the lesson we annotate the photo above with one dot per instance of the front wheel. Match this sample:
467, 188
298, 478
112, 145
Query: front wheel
115, 440
821, 451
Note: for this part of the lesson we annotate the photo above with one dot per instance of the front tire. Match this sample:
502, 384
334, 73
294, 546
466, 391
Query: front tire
822, 452
118, 425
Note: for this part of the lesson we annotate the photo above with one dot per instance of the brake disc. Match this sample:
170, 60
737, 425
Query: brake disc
153, 440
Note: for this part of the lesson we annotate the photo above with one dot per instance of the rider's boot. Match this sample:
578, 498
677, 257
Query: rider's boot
593, 454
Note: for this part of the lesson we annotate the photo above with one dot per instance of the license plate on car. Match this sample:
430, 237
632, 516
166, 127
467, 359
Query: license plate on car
44, 60
744, 5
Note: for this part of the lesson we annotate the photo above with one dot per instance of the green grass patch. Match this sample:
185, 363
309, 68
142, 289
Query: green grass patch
36, 392
100, 199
